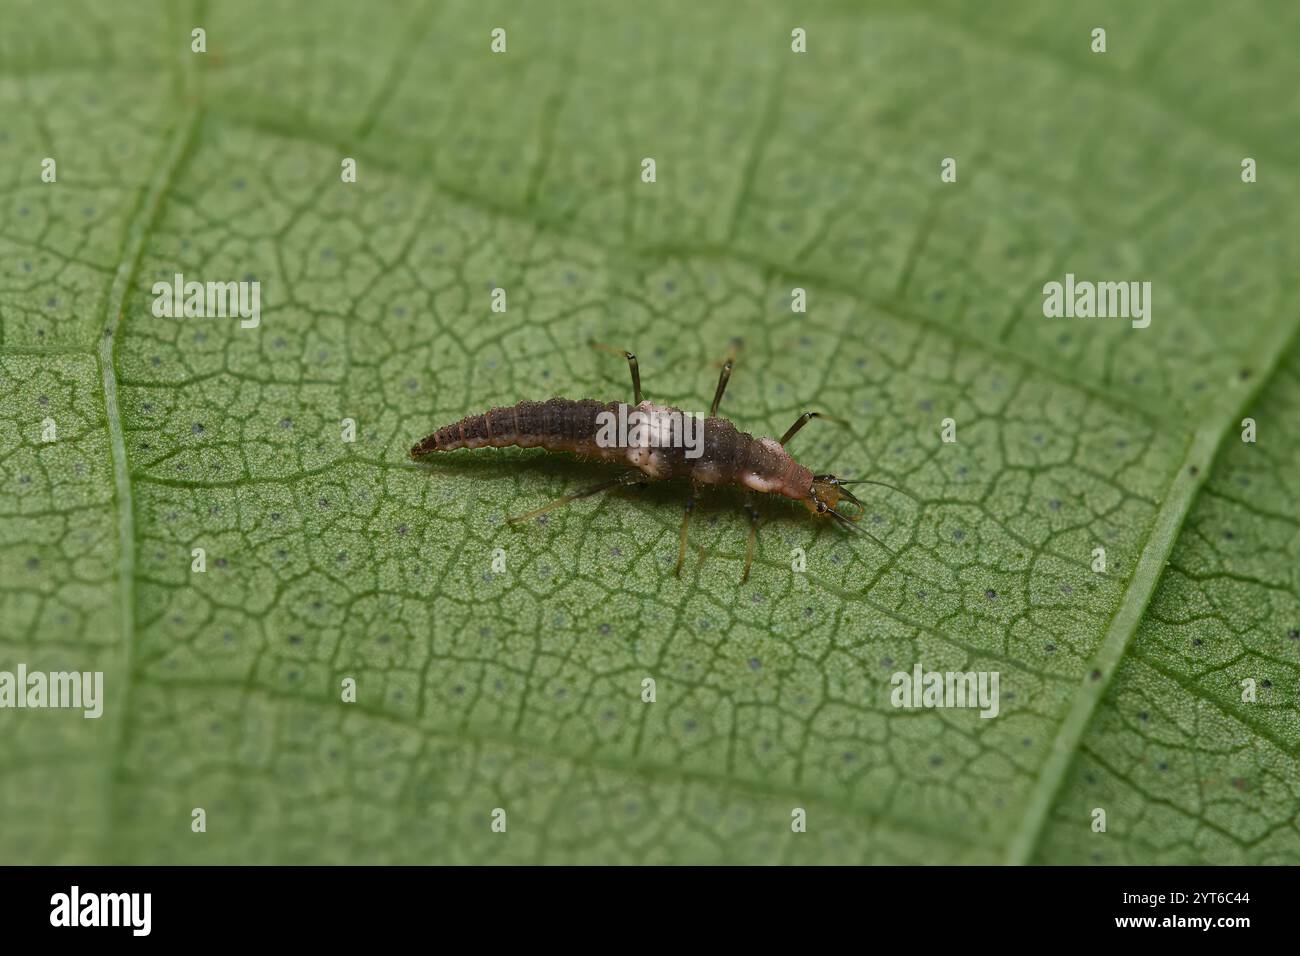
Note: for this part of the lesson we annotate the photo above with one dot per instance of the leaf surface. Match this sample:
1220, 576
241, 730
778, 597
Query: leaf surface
522, 689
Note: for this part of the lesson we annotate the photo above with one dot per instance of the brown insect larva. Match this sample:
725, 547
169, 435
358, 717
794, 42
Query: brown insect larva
663, 442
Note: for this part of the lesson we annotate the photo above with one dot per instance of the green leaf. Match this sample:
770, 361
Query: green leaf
522, 690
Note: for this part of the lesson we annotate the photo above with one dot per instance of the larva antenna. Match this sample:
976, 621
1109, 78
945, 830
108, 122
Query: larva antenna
850, 525
883, 484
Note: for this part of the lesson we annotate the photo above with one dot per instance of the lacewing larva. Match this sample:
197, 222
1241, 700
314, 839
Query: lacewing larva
654, 450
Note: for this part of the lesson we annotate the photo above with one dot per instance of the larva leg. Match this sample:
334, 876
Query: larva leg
631, 362
723, 379
627, 478
803, 420
686, 521
753, 536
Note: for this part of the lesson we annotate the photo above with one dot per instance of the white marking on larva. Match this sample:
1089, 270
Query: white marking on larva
765, 483
751, 480
650, 461
659, 423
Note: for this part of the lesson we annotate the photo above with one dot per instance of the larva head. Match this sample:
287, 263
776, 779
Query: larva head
825, 497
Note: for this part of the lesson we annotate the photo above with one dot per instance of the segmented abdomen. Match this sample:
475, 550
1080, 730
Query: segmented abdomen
561, 424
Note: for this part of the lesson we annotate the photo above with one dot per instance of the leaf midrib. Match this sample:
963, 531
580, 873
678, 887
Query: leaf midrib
1201, 455
141, 225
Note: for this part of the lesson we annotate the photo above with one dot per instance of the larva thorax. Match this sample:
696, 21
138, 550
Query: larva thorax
660, 441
